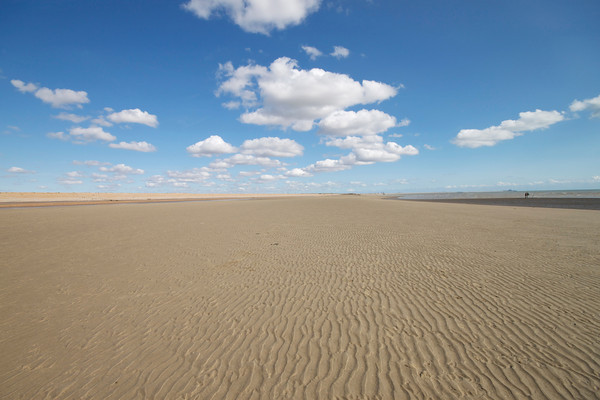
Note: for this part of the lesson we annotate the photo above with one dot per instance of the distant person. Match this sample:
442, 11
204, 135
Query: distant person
526, 195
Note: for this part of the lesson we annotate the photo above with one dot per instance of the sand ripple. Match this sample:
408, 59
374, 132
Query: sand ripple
331, 298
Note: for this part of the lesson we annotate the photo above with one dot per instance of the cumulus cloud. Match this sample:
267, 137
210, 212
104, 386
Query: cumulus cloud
90, 134
284, 95
363, 122
69, 181
90, 163
244, 159
312, 52
122, 169
340, 52
57, 98
24, 87
509, 129
256, 16
210, 146
144, 147
327, 165
135, 116
297, 172
58, 135
71, 117
592, 105
272, 147
19, 170
370, 149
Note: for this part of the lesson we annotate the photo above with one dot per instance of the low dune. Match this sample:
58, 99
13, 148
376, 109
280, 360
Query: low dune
336, 297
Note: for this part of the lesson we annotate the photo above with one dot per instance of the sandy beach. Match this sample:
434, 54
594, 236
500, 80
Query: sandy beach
316, 297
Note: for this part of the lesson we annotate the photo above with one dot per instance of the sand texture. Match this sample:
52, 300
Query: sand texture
342, 297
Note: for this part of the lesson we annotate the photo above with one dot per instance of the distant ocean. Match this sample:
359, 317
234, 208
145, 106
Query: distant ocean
507, 194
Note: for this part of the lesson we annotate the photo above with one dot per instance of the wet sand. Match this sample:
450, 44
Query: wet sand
546, 202
351, 297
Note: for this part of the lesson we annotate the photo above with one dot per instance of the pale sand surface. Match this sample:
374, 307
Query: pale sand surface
41, 199
322, 297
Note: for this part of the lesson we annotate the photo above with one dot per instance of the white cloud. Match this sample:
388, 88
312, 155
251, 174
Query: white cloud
327, 165
244, 159
71, 117
194, 175
101, 121
144, 147
90, 163
269, 178
62, 98
340, 52
135, 116
122, 169
90, 134
74, 174
312, 52
404, 122
19, 170
24, 87
297, 172
370, 149
57, 98
287, 96
363, 122
593, 105
58, 135
429, 147
272, 147
396, 135
256, 16
509, 129
69, 181
210, 146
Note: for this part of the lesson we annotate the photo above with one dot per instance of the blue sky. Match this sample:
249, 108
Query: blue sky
299, 95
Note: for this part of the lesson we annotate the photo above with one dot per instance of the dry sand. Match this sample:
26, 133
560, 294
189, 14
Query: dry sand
348, 297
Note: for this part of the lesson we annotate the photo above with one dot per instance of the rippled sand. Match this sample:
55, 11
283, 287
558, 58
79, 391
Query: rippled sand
334, 297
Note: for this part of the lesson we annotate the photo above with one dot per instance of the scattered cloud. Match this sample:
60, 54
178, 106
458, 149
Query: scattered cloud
57, 98
256, 16
272, 147
76, 119
101, 121
135, 116
144, 147
340, 52
404, 122
91, 134
58, 135
363, 122
244, 159
69, 181
370, 149
122, 169
592, 105
19, 170
284, 95
312, 52
24, 87
90, 163
297, 172
210, 146
395, 135
428, 147
509, 129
